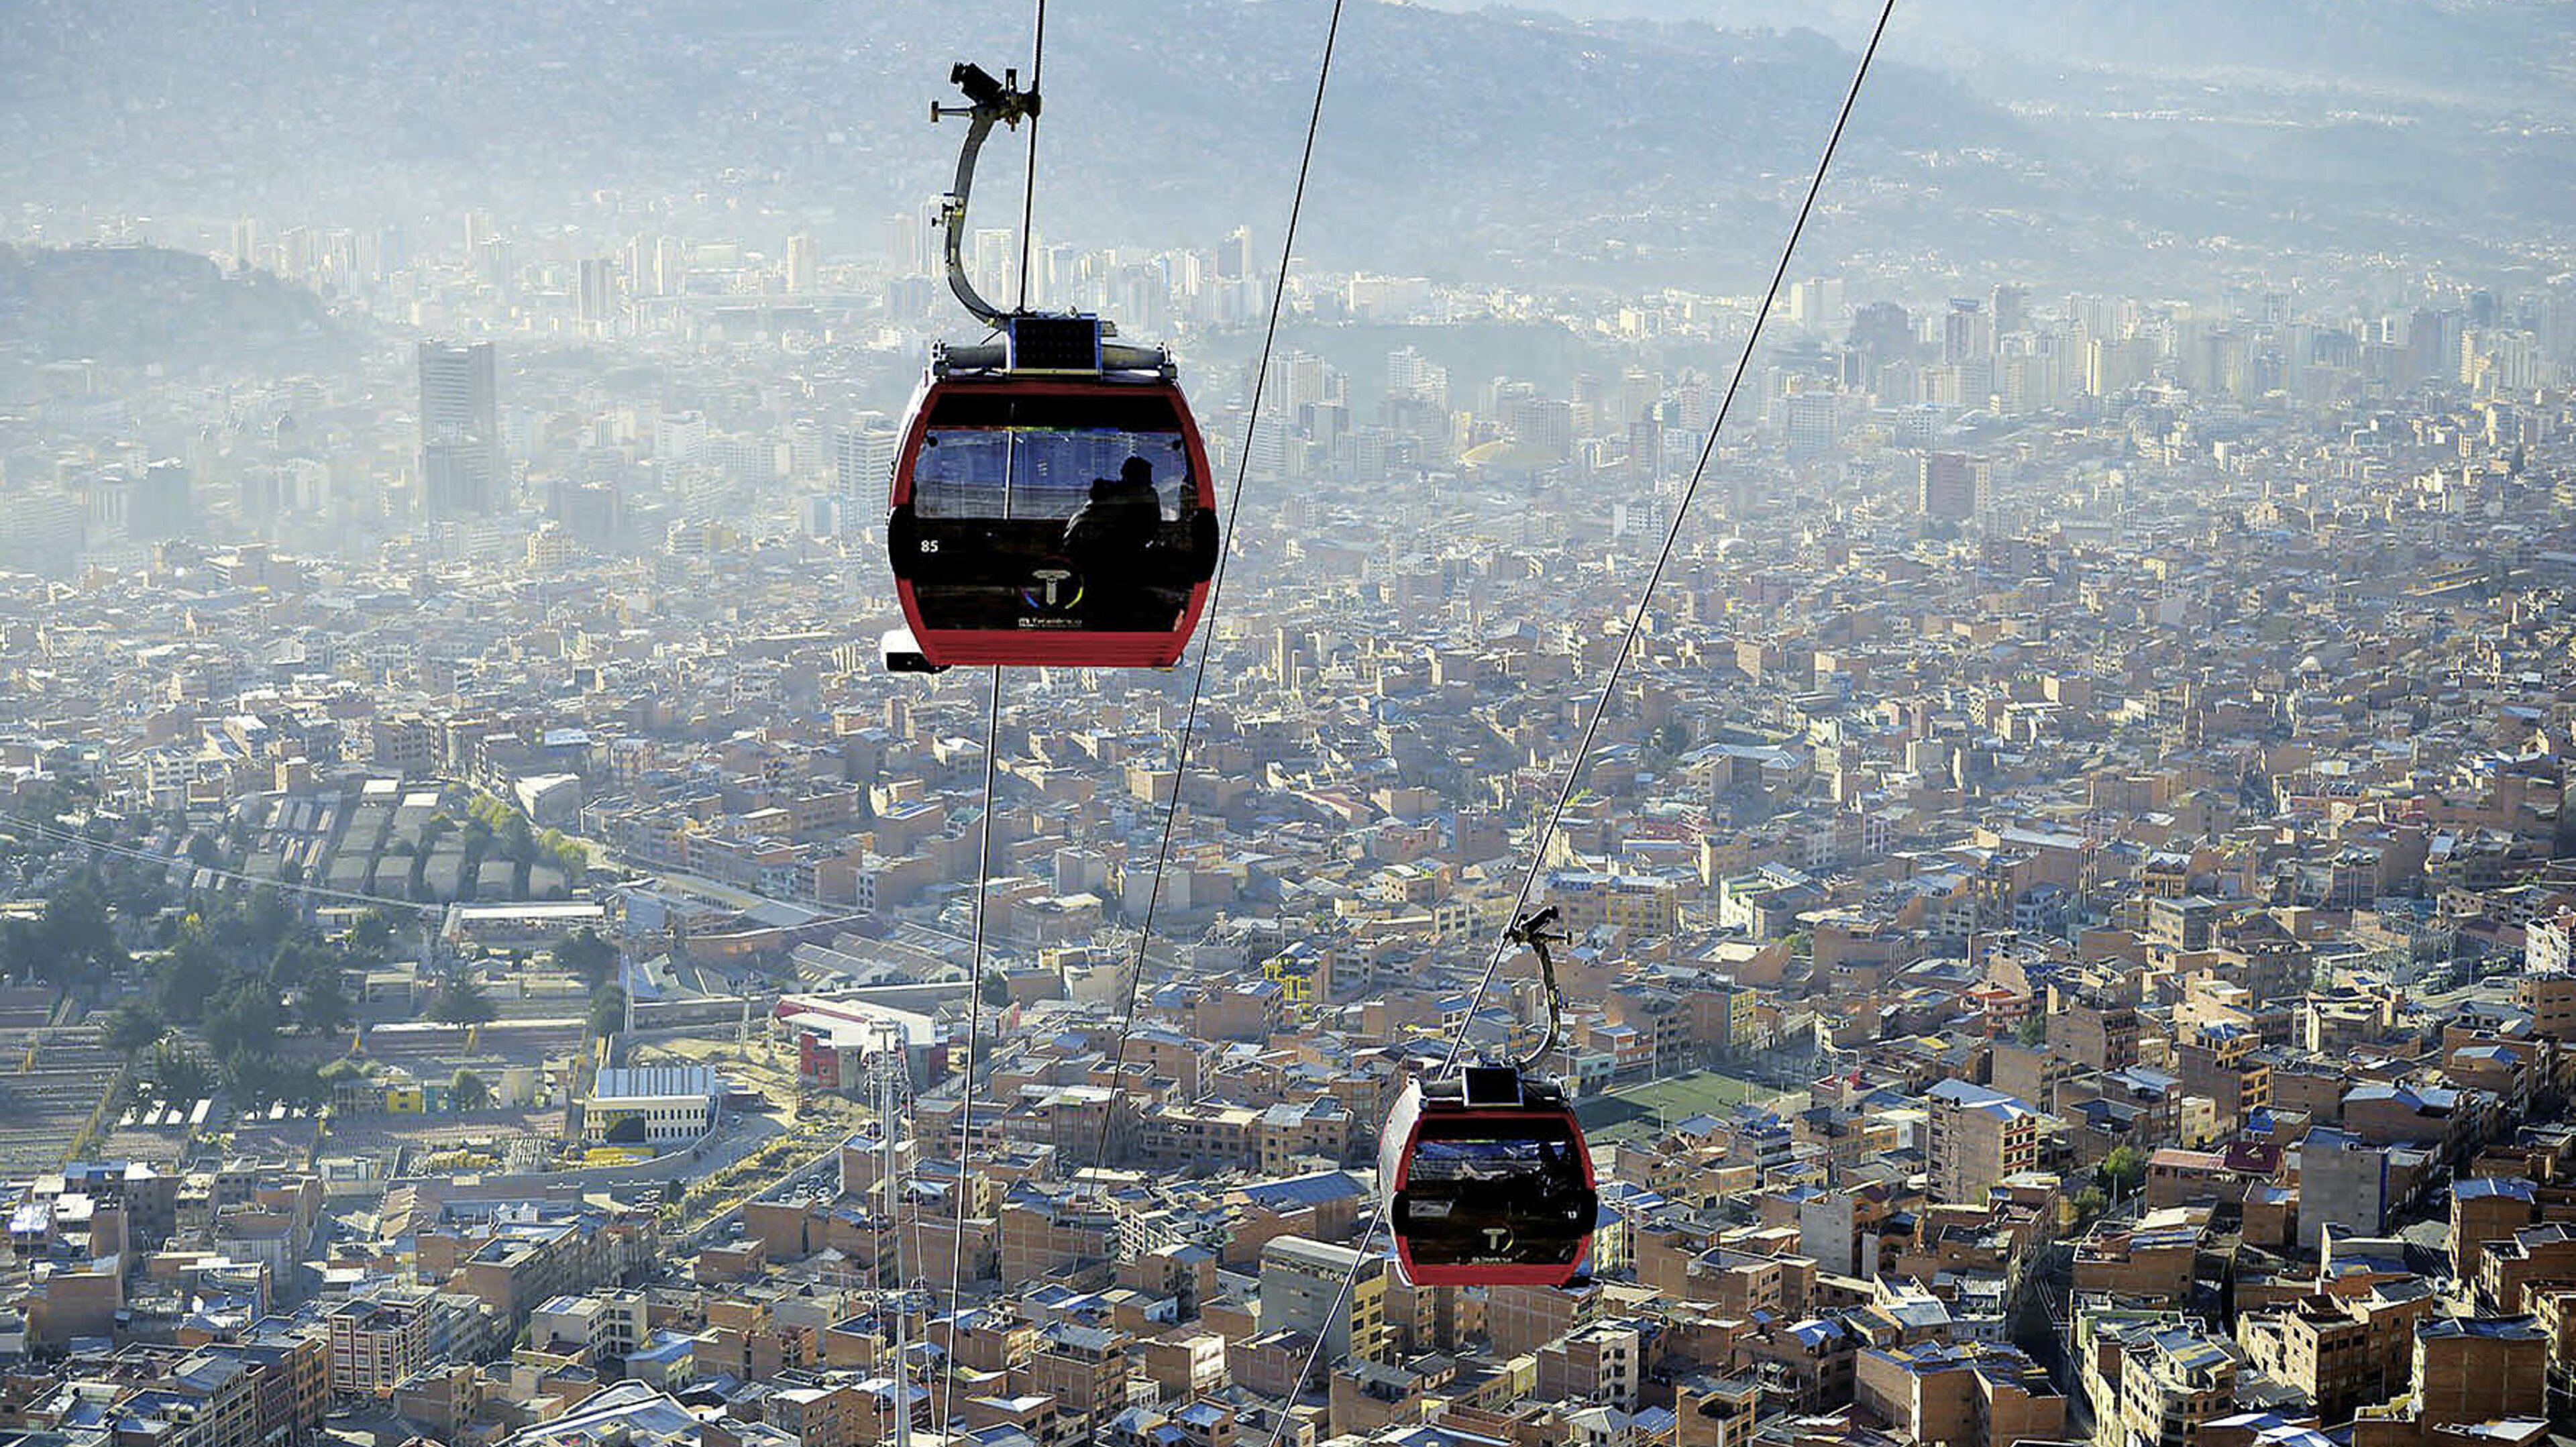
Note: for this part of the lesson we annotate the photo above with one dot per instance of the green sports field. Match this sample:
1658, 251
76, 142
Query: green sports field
1629, 1113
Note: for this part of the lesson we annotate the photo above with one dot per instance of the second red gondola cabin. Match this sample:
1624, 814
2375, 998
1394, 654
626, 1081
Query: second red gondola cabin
1484, 1180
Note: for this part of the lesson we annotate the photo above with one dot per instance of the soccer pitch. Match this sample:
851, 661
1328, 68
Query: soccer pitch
1631, 1112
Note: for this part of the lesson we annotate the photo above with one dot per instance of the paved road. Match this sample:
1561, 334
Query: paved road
713, 1230
738, 1136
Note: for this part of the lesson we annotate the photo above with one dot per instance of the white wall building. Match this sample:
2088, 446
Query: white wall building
676, 1103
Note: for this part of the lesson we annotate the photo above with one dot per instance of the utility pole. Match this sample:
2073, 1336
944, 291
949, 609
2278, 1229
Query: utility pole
892, 1076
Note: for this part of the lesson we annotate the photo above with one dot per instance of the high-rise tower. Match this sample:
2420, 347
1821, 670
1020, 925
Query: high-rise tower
460, 431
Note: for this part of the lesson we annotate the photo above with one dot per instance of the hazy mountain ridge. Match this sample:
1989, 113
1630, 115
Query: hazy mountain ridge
1188, 115
1484, 142
131, 306
2472, 49
2463, 48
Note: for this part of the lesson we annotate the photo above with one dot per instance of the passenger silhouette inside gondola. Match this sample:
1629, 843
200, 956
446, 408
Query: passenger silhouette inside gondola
1111, 539
1481, 1199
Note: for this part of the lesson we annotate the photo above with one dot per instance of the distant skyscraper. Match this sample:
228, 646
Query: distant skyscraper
1543, 424
863, 463
295, 252
2102, 318
1589, 403
1234, 255
670, 267
2111, 368
903, 232
1406, 371
478, 232
160, 507
1967, 333
392, 252
804, 265
109, 502
993, 262
245, 243
1945, 486
461, 470
598, 300
43, 532
1810, 421
1639, 391
2433, 341
1816, 301
1309, 379
1882, 332
2011, 308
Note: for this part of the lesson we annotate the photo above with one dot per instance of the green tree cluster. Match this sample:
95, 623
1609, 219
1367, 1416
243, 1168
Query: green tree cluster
2123, 1171
72, 942
460, 1000
607, 1010
588, 956
134, 1027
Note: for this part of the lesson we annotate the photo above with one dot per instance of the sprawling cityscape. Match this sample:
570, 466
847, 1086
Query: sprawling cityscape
2067, 882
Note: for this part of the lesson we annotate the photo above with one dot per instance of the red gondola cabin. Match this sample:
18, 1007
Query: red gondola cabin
1052, 505
1484, 1180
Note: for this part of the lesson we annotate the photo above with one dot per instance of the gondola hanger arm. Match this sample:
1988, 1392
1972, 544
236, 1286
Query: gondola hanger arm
990, 101
1532, 930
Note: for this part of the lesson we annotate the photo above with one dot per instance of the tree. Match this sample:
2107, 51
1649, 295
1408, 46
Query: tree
296, 1082
607, 1010
251, 929
2033, 1031
301, 961
321, 1005
469, 1091
75, 939
19, 948
190, 977
372, 936
45, 800
176, 1072
562, 851
2124, 1169
242, 1023
585, 954
136, 891
518, 840
303, 1084
132, 1028
1671, 738
995, 991
269, 920
2090, 1203
461, 1001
